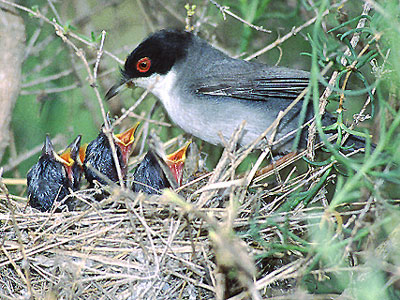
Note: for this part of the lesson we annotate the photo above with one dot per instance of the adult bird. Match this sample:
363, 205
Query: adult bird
208, 94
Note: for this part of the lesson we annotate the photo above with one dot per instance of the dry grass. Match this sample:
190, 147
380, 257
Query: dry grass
198, 244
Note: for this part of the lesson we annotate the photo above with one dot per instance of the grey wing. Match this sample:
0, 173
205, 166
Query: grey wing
253, 82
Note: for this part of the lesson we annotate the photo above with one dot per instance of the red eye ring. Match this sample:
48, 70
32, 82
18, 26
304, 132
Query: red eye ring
143, 64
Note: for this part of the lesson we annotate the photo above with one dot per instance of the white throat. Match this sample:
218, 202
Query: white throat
161, 86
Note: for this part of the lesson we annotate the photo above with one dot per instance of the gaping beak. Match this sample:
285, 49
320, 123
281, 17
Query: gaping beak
176, 162
125, 141
74, 146
69, 156
82, 154
117, 88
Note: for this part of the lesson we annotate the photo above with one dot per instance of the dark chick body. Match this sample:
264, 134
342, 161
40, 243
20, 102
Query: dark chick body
99, 157
156, 172
149, 176
50, 179
47, 182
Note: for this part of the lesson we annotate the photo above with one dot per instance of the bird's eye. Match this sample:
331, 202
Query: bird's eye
143, 64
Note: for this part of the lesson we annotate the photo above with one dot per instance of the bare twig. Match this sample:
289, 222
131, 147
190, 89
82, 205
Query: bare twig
225, 10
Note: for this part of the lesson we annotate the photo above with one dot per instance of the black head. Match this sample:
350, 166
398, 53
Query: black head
156, 54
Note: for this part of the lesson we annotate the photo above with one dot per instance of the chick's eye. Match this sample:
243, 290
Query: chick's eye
143, 64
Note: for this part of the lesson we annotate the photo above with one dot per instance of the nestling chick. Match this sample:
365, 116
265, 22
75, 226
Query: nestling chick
50, 179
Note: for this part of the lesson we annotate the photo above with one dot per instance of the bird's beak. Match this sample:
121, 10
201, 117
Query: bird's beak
176, 162
82, 154
117, 88
48, 148
125, 141
68, 157
74, 146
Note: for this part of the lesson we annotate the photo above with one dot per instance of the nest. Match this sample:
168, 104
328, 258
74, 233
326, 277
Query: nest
207, 240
